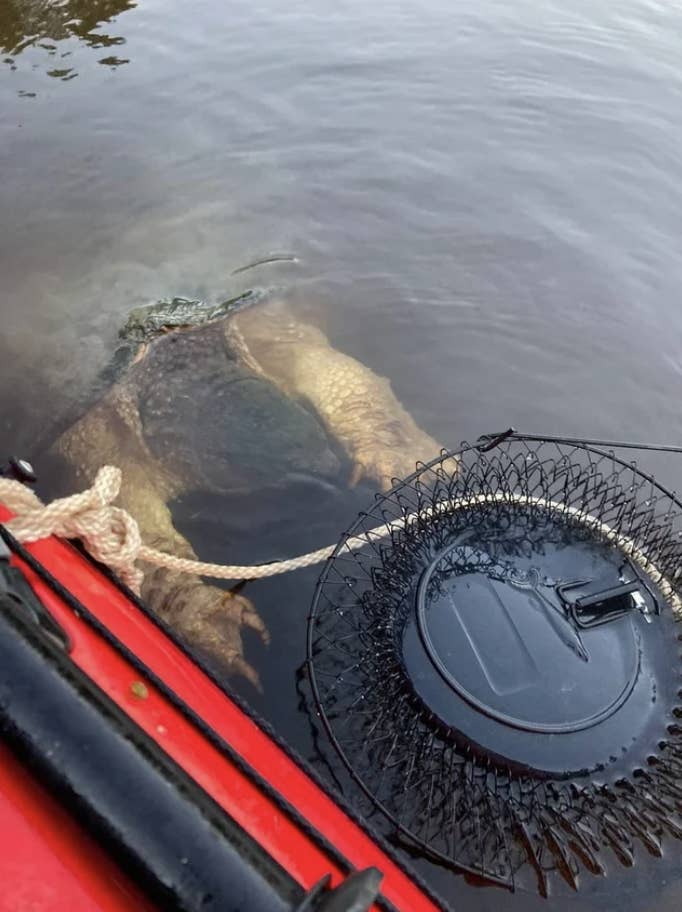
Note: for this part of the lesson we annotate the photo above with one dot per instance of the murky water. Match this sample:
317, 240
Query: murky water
485, 201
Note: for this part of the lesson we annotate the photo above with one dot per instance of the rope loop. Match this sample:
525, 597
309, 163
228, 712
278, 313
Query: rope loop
112, 536
109, 533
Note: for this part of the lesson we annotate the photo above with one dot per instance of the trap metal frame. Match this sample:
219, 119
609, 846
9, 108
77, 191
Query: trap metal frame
447, 800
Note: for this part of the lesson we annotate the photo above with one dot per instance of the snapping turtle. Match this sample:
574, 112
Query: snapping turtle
227, 398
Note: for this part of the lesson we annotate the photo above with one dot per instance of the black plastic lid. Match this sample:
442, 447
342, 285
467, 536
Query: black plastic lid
494, 651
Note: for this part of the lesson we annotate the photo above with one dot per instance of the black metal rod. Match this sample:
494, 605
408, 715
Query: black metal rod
587, 441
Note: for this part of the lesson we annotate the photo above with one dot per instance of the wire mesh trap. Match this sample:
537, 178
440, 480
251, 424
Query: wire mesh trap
494, 653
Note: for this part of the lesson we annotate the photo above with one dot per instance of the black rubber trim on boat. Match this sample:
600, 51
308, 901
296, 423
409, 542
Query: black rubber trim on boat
223, 746
162, 828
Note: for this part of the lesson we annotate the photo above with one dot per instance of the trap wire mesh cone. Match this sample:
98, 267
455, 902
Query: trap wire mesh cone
494, 653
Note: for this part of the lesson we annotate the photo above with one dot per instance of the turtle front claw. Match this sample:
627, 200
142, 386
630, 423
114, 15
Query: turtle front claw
211, 620
387, 463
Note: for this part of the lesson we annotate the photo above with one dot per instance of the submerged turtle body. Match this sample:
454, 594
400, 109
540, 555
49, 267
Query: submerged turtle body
226, 398
207, 412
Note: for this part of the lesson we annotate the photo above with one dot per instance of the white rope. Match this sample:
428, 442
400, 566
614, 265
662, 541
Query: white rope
109, 533
112, 536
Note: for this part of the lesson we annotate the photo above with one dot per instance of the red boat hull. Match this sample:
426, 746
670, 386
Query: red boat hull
295, 820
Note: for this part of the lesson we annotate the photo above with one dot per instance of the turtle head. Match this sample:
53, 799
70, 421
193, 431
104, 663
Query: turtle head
147, 322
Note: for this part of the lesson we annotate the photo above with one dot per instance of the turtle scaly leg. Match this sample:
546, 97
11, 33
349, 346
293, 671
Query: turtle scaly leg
356, 406
206, 616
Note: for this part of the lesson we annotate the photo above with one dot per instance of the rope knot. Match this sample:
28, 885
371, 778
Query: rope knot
109, 533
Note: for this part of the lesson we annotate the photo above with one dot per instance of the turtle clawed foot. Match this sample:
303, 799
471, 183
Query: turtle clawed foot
389, 463
368, 470
212, 619
236, 612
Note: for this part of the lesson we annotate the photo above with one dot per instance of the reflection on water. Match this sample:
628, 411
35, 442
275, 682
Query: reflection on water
45, 24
